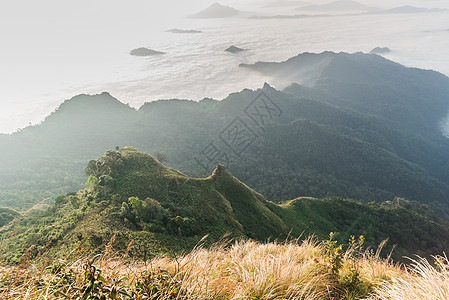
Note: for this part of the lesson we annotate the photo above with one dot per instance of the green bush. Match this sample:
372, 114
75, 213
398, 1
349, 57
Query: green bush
61, 199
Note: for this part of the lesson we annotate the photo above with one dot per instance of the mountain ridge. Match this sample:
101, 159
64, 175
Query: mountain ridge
336, 73
130, 196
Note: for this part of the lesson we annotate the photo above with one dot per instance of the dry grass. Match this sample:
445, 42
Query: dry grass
242, 270
252, 270
421, 281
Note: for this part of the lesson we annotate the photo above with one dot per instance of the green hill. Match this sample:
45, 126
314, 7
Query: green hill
132, 197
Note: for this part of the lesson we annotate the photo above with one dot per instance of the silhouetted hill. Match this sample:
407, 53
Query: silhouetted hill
380, 50
234, 49
410, 98
145, 52
216, 10
41, 161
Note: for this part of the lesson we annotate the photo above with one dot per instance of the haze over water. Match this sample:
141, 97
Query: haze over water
52, 51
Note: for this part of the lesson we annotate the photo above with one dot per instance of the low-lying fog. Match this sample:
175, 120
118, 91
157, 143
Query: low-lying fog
52, 50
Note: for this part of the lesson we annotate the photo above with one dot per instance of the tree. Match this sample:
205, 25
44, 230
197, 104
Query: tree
91, 181
91, 169
161, 157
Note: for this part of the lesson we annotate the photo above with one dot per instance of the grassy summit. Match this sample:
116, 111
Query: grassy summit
134, 197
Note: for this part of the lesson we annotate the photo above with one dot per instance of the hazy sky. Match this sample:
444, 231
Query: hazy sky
51, 48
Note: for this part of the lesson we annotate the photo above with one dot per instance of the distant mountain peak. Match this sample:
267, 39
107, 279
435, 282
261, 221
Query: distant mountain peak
234, 49
216, 10
85, 106
142, 51
380, 50
266, 85
102, 99
310, 68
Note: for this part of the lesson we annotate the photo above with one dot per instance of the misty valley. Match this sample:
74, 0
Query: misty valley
328, 181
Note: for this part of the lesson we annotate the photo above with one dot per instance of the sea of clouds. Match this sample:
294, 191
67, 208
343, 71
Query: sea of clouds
53, 51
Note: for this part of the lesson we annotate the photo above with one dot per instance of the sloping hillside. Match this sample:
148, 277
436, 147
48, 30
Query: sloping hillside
130, 196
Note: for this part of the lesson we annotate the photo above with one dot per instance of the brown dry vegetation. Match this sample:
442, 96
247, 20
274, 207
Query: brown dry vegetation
242, 270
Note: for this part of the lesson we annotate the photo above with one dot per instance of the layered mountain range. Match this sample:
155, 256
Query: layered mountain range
347, 125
